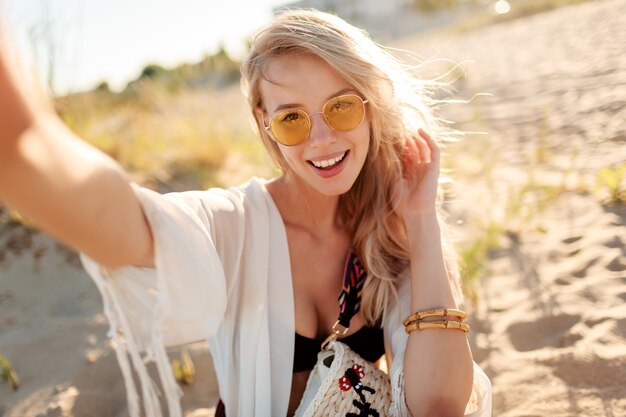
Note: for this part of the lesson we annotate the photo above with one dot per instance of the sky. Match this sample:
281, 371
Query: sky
113, 40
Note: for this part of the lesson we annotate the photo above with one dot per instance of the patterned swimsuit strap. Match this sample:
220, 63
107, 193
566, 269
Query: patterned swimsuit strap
349, 299
354, 277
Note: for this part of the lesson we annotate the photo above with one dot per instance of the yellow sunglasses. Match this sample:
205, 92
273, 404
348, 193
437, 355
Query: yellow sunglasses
342, 113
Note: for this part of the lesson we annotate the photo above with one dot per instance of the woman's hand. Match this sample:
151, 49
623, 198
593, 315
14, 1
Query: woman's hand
417, 192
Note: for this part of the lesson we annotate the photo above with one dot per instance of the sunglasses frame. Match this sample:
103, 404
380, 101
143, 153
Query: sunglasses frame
308, 115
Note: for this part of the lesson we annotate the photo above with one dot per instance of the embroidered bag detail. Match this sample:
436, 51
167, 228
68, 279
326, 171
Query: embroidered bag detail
344, 384
351, 377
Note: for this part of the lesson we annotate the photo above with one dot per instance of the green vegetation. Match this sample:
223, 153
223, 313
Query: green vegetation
522, 209
214, 71
512, 211
184, 369
173, 129
12, 218
434, 5
8, 374
526, 202
474, 256
611, 181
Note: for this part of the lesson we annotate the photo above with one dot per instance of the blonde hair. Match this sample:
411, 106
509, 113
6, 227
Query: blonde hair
398, 105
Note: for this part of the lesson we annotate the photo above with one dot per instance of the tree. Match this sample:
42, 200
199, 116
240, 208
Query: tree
152, 71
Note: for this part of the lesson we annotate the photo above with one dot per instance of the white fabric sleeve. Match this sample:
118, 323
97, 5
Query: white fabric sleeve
479, 404
181, 300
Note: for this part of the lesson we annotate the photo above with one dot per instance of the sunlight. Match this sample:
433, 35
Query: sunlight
502, 7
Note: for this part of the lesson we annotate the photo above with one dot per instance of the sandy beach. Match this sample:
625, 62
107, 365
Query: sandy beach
549, 318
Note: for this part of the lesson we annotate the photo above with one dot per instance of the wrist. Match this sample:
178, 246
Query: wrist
421, 219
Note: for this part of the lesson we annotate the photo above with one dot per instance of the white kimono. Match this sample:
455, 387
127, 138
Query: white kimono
223, 274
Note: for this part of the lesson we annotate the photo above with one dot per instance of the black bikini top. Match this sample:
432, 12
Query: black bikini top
367, 342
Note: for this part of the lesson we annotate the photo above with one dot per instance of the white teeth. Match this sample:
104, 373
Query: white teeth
328, 162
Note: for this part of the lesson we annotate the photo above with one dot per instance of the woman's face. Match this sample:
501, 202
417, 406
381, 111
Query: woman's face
306, 82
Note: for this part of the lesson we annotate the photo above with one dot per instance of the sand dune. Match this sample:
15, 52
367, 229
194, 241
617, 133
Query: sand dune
549, 327
551, 320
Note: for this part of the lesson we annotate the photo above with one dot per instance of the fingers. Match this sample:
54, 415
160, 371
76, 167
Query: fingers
423, 156
410, 155
421, 149
433, 148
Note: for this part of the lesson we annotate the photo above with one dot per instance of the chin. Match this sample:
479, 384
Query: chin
332, 187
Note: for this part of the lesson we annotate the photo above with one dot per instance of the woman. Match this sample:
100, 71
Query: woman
256, 269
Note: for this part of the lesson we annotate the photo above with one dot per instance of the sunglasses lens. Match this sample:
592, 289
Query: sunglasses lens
344, 112
341, 113
291, 127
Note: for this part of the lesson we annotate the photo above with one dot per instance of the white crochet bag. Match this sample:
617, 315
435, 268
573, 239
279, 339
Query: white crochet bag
344, 384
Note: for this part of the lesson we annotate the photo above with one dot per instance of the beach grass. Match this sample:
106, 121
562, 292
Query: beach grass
8, 374
176, 139
611, 184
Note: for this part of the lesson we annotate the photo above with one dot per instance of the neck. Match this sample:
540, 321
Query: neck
305, 207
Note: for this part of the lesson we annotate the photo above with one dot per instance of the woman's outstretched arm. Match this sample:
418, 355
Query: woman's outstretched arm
68, 188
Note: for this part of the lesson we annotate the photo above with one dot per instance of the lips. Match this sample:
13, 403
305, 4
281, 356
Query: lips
329, 161
329, 165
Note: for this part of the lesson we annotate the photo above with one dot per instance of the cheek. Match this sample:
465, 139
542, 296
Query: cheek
291, 155
364, 137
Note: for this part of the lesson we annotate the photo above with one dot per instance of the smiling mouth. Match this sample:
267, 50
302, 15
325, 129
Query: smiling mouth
328, 163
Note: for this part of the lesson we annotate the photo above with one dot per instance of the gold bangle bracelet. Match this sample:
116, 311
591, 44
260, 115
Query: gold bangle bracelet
437, 312
444, 324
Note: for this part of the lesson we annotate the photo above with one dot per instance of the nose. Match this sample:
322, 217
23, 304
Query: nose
321, 135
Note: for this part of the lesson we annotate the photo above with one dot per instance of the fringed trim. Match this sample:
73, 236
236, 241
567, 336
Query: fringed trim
398, 398
125, 345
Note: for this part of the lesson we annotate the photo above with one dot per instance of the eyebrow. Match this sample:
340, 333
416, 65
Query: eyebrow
338, 93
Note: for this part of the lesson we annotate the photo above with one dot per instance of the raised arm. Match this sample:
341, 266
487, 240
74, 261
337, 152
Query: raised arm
68, 188
438, 370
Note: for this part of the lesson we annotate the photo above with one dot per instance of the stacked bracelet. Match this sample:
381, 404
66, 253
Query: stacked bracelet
444, 324
416, 321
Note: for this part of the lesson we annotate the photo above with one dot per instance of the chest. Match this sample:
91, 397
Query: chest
317, 269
